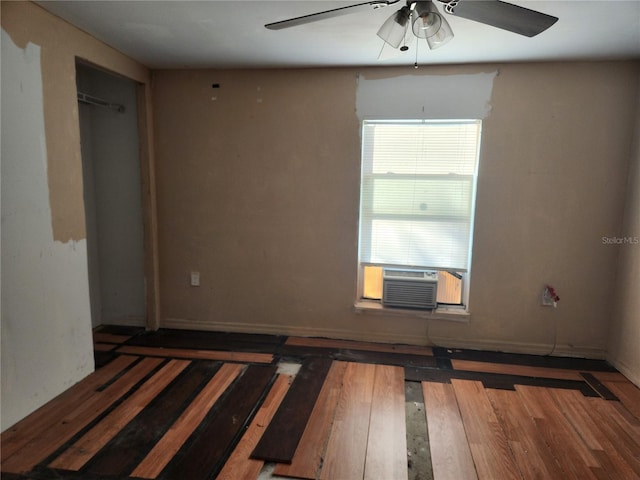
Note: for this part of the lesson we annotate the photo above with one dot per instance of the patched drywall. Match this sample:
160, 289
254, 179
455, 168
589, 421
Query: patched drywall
46, 328
61, 44
425, 96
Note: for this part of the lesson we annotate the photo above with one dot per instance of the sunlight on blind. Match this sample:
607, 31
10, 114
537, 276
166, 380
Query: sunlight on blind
417, 193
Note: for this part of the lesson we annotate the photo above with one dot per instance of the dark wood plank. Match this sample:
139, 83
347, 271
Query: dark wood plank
206, 451
355, 345
385, 358
90, 443
280, 440
239, 466
101, 359
199, 340
123, 453
598, 386
46, 442
46, 417
119, 330
308, 457
185, 425
359, 355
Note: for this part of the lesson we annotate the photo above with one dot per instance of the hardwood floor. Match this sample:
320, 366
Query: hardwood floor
200, 405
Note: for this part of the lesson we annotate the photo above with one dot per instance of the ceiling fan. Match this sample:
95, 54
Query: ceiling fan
428, 23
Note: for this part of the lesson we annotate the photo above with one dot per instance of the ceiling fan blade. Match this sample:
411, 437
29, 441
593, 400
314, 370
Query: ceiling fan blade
505, 15
335, 12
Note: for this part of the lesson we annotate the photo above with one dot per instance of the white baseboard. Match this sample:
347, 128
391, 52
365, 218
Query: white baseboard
632, 374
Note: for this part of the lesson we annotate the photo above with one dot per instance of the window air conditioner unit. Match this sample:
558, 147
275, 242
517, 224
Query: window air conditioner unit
410, 288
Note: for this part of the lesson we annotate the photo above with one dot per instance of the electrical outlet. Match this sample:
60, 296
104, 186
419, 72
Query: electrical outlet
550, 297
547, 301
195, 279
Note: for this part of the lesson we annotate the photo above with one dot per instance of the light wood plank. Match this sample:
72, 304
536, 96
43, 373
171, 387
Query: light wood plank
86, 447
489, 448
387, 445
610, 376
347, 447
242, 357
240, 466
568, 448
511, 369
354, 345
628, 394
104, 347
531, 453
47, 416
185, 425
614, 426
99, 337
575, 408
308, 457
48, 441
450, 454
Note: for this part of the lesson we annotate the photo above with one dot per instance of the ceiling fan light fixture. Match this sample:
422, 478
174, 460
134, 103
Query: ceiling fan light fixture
442, 36
395, 27
426, 20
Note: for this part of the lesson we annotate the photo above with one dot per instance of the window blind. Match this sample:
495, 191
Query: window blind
417, 192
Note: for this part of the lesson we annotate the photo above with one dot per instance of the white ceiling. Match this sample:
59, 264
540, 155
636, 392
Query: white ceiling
231, 34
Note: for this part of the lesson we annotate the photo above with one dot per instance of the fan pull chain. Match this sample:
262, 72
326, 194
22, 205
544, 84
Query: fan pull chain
415, 65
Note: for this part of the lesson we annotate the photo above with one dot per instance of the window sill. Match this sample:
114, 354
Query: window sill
455, 314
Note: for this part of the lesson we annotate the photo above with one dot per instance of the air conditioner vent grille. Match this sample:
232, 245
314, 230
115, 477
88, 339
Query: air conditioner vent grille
405, 291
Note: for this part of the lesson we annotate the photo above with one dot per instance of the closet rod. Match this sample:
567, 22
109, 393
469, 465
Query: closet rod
91, 100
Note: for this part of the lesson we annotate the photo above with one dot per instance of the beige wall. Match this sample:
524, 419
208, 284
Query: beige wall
624, 328
46, 320
258, 187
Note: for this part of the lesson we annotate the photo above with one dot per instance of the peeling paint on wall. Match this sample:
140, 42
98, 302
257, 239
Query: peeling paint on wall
46, 326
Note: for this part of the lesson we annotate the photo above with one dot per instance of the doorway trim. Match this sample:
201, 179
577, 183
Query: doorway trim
148, 194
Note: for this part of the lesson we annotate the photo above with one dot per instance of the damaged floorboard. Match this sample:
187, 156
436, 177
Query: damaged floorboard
176, 404
281, 438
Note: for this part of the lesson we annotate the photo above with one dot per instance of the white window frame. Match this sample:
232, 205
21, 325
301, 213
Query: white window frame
466, 275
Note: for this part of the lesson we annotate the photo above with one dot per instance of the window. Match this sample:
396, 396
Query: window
417, 201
